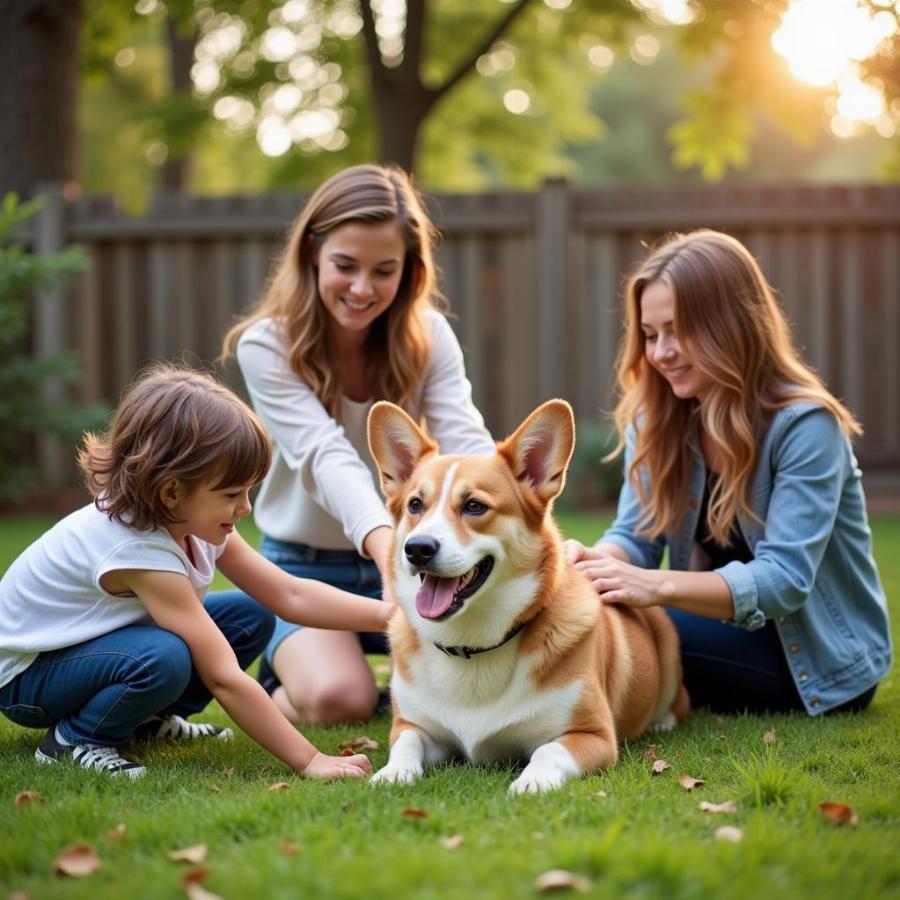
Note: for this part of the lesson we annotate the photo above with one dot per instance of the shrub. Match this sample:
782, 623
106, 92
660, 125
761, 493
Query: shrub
25, 412
591, 482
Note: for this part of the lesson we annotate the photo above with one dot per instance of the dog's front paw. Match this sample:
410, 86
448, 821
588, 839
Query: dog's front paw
398, 774
666, 723
536, 782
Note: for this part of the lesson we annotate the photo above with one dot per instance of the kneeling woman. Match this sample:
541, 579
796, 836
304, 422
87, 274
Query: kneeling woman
738, 460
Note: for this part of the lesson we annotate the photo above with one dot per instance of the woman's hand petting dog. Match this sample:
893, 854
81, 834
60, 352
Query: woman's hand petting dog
615, 580
620, 582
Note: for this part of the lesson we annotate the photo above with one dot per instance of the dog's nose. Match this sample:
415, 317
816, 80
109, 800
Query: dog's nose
421, 550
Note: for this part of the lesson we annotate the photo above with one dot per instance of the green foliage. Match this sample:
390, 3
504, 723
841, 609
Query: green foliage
25, 409
592, 479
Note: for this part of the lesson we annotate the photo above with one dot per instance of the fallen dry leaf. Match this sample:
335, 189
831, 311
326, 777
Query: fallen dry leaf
452, 842
195, 876
364, 742
598, 795
77, 861
411, 812
659, 767
728, 806
215, 789
289, 848
278, 786
729, 833
228, 773
838, 813
650, 755
19, 895
118, 833
769, 737
192, 882
688, 782
23, 798
195, 854
561, 880
347, 753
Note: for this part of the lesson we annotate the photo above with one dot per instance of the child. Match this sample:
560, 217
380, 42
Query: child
104, 635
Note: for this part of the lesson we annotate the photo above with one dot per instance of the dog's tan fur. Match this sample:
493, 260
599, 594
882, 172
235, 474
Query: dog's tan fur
580, 675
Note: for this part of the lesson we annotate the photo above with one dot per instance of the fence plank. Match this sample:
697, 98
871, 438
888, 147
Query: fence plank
534, 279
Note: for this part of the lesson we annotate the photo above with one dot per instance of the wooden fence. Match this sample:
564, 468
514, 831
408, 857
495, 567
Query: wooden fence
532, 278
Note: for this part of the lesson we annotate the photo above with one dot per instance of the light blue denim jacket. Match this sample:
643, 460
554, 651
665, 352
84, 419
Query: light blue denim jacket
812, 569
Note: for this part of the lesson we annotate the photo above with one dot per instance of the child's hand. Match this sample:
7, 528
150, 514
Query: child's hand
388, 606
329, 767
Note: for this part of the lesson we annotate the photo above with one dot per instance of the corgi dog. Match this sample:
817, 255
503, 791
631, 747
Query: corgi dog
501, 649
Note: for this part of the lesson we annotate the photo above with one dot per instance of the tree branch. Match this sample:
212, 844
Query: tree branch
416, 13
466, 65
376, 63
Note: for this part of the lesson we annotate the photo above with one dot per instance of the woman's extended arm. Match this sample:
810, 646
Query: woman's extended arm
453, 420
313, 446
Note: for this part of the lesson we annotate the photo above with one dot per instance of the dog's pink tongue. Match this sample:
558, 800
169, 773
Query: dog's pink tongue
435, 595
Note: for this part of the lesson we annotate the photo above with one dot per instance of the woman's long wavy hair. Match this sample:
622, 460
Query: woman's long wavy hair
398, 344
729, 323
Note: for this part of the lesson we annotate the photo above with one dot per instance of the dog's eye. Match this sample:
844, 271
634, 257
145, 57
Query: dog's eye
474, 507
414, 505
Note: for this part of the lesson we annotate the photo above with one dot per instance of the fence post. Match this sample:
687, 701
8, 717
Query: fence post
553, 222
49, 330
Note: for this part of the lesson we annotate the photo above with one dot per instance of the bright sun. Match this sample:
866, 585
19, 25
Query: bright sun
823, 42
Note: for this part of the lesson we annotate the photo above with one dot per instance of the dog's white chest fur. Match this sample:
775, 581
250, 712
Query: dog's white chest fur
486, 709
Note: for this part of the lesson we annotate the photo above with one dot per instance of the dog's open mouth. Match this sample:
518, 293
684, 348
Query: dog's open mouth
439, 597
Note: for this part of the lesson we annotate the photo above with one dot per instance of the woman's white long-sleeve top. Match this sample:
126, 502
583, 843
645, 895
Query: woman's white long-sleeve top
322, 488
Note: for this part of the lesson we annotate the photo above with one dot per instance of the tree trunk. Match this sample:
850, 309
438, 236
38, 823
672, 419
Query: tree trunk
176, 170
402, 110
38, 93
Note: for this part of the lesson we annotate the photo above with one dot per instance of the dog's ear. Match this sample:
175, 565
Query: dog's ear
396, 444
540, 449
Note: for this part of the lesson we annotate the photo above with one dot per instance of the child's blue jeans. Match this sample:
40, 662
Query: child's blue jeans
99, 691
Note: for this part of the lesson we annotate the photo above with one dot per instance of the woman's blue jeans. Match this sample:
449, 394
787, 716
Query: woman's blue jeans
730, 669
99, 691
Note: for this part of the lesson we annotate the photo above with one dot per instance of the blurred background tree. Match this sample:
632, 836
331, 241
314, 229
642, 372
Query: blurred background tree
217, 96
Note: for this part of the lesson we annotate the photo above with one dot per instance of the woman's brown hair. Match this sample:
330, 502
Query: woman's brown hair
398, 343
172, 423
729, 322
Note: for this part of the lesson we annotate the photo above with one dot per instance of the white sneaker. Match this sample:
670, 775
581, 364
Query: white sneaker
88, 756
175, 728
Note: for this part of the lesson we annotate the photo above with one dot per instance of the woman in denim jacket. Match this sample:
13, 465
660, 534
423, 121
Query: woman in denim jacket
738, 461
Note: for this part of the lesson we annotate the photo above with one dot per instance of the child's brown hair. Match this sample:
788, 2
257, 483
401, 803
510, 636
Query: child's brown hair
172, 422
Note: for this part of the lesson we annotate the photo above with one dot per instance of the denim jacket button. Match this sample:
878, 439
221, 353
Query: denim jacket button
814, 702
795, 648
804, 676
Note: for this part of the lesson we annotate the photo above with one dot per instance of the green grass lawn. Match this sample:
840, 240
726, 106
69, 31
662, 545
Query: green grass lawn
630, 833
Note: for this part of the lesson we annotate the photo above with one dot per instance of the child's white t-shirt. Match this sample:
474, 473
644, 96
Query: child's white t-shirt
51, 597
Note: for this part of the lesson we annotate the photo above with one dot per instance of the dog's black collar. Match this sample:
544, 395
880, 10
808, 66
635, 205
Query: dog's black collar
469, 652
